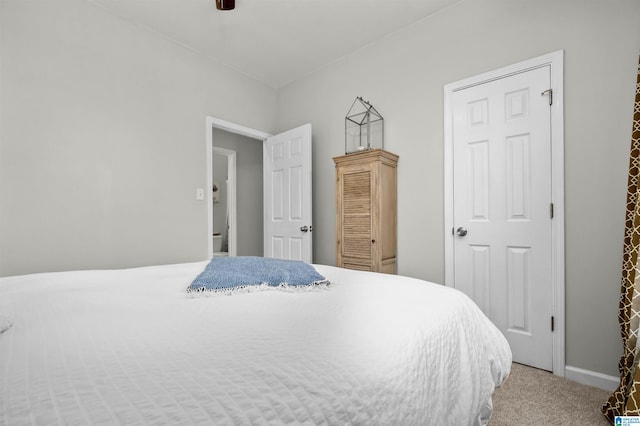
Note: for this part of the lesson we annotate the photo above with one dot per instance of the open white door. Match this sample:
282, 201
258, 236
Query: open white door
287, 195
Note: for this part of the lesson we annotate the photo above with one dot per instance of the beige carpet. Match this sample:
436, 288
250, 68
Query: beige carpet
535, 397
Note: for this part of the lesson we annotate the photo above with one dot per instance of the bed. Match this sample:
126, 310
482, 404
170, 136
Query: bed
133, 347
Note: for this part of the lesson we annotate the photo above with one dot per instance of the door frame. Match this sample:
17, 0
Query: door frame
555, 61
231, 198
218, 123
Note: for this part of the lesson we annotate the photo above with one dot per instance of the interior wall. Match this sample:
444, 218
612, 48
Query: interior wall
249, 190
102, 139
403, 77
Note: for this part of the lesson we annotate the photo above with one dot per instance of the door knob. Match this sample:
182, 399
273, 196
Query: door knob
461, 231
304, 228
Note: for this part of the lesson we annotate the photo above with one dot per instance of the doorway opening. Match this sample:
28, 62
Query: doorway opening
234, 196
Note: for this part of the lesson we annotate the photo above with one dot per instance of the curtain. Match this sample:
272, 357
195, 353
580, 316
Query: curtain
625, 401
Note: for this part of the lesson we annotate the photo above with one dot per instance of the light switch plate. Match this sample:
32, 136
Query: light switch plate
199, 194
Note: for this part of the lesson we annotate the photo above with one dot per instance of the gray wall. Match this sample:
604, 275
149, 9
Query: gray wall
103, 139
404, 75
249, 190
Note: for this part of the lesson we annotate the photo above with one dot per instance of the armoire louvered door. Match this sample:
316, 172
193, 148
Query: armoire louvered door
366, 211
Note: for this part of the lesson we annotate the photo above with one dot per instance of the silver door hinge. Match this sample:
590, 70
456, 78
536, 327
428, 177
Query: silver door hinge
551, 210
553, 326
550, 93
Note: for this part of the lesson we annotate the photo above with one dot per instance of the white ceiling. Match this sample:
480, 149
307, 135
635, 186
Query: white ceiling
274, 41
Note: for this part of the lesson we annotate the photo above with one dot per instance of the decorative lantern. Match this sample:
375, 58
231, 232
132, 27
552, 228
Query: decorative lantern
363, 127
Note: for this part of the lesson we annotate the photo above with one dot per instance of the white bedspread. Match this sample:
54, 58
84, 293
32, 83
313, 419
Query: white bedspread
132, 347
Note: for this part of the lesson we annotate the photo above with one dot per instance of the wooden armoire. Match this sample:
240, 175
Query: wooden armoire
366, 211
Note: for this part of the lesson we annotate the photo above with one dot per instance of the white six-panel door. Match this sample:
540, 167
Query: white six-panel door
502, 198
287, 199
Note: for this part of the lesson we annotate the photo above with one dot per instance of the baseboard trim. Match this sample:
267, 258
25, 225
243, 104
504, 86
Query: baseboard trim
591, 378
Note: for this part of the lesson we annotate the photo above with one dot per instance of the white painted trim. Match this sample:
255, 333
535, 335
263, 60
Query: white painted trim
231, 198
592, 378
209, 154
236, 128
555, 61
228, 126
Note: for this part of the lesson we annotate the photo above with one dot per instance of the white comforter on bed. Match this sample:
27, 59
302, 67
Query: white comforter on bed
132, 347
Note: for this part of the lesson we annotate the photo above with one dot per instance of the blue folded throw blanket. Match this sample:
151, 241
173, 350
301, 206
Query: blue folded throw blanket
229, 273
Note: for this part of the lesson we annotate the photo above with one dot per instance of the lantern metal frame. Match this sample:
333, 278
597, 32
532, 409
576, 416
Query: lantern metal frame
365, 119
